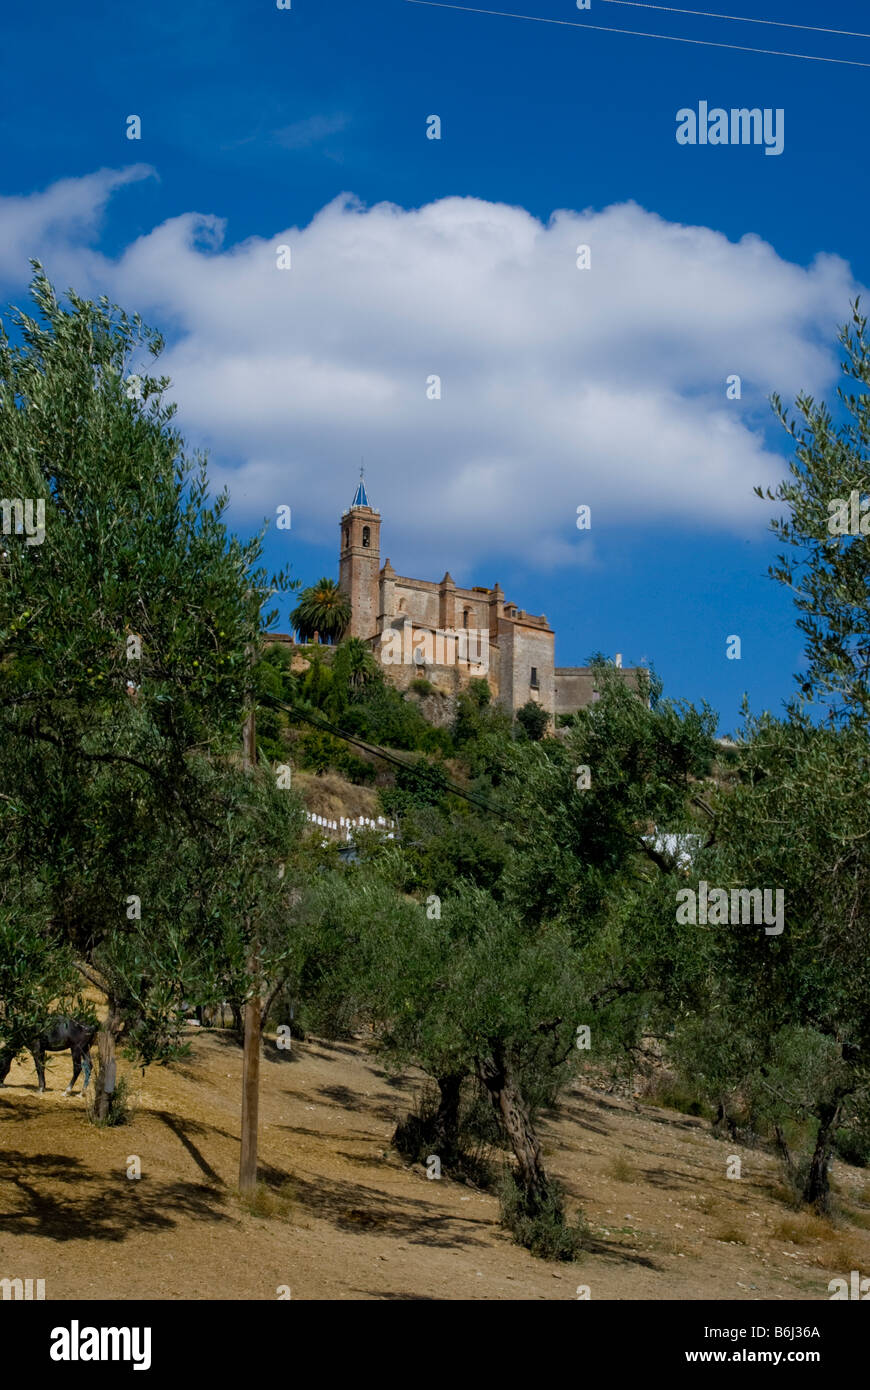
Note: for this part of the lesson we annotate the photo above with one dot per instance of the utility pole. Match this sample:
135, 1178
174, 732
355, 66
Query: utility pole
251, 1055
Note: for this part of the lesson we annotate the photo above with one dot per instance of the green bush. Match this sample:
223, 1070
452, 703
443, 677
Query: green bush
317, 751
418, 785
443, 848
120, 1106
533, 720
852, 1145
544, 1231
382, 716
469, 1160
673, 1094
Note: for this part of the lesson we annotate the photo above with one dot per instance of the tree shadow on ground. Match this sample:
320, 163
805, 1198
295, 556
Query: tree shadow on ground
333, 1045
183, 1129
367, 1161
579, 1114
299, 1129
92, 1206
346, 1099
226, 1037
273, 1053
609, 1250
676, 1120
343, 1098
353, 1207
668, 1178
398, 1083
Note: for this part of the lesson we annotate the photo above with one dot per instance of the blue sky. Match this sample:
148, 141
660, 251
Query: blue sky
413, 257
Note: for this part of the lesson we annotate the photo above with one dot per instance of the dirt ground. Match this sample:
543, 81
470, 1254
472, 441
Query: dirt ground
344, 1217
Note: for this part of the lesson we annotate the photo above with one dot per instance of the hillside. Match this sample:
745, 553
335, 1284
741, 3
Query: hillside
343, 1217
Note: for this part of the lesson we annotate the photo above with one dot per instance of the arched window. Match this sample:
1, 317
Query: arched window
465, 613
367, 535
346, 536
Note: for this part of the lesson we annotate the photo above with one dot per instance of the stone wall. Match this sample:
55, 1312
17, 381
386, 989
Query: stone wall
519, 650
416, 599
432, 605
448, 676
574, 686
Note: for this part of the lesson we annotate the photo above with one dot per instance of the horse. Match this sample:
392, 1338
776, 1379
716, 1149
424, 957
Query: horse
62, 1033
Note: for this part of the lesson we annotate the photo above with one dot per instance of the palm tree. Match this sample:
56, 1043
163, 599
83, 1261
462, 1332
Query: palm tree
323, 609
354, 658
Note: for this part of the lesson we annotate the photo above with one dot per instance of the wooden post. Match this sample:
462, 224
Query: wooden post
251, 1054
250, 1082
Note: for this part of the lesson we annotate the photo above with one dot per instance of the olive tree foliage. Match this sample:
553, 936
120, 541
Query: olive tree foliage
468, 992
250, 862
829, 572
37, 974
125, 639
791, 1008
500, 987
795, 1005
588, 817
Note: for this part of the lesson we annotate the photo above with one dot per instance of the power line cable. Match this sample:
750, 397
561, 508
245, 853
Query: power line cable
641, 34
738, 18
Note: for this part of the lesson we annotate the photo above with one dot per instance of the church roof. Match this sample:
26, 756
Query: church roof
360, 496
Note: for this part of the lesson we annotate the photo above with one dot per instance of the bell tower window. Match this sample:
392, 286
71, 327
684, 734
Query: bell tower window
366, 537
346, 536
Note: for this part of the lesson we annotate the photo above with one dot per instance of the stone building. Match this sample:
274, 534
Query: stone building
449, 634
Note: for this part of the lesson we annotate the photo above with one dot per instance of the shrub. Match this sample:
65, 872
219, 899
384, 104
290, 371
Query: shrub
477, 723
382, 716
544, 1231
792, 1187
533, 720
120, 1106
623, 1171
318, 751
672, 1093
469, 1159
420, 784
852, 1145
268, 1201
729, 1234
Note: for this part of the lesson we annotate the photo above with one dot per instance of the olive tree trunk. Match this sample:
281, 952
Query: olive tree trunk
513, 1114
105, 1070
445, 1121
817, 1186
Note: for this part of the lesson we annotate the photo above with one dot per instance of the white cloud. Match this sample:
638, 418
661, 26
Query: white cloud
68, 213
559, 385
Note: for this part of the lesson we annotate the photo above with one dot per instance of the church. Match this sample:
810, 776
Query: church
437, 630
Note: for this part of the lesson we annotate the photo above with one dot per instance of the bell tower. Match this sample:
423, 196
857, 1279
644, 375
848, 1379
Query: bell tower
360, 562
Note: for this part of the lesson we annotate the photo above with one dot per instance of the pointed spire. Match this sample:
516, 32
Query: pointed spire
360, 497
